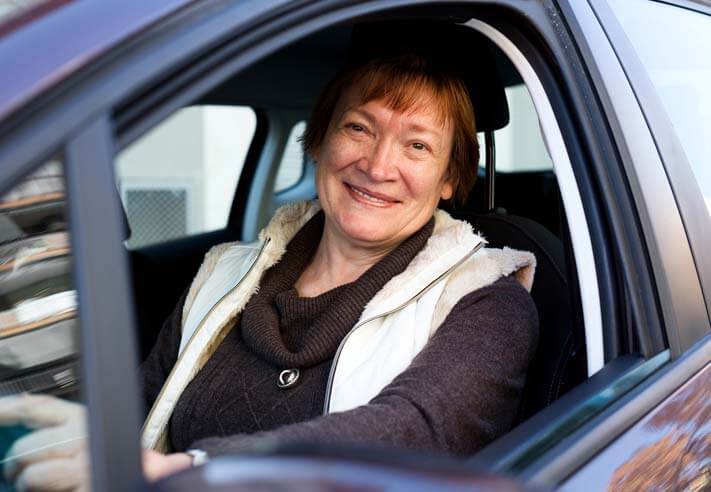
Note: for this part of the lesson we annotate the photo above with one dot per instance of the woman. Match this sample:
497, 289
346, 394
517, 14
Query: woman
365, 316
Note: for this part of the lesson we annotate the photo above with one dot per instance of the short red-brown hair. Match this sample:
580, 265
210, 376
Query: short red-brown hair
401, 81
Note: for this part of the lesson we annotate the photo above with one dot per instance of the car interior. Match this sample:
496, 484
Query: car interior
514, 206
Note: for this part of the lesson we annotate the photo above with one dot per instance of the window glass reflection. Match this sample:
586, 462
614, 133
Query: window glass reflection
671, 42
42, 423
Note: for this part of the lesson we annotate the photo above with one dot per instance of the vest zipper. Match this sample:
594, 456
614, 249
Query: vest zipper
332, 372
192, 337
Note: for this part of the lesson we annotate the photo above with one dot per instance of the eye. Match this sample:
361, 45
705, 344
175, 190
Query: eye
419, 146
355, 127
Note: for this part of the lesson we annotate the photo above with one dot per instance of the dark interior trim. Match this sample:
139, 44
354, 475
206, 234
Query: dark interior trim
628, 250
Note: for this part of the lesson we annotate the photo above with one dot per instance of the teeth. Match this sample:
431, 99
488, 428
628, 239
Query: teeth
368, 197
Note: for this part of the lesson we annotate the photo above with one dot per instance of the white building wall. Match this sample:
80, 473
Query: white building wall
228, 133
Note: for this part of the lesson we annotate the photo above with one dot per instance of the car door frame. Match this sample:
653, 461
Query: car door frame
687, 197
683, 313
107, 358
634, 257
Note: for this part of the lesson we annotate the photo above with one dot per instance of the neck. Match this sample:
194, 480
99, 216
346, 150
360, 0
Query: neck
337, 262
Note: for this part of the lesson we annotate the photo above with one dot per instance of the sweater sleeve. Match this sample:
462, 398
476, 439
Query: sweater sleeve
155, 369
459, 393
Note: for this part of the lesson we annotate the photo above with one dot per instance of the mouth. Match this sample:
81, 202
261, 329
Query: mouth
364, 195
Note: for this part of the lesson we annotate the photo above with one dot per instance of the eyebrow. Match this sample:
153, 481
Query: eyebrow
365, 114
423, 129
413, 126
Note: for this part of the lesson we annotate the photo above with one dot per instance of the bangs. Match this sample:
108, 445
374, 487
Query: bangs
407, 87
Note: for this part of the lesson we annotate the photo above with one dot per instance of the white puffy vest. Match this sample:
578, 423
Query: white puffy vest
394, 326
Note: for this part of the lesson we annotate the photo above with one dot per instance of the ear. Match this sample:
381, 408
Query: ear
447, 191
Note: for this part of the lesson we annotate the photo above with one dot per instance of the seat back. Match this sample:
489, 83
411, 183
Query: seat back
559, 362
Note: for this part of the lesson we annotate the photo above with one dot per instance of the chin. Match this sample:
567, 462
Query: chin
370, 233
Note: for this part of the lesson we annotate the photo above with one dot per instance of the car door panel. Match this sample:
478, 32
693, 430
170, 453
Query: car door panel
667, 449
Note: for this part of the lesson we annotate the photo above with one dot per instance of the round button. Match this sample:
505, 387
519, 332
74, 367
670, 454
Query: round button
288, 378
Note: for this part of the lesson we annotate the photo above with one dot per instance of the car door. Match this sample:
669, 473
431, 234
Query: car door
661, 432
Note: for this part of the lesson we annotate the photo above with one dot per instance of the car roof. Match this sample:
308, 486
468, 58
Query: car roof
57, 38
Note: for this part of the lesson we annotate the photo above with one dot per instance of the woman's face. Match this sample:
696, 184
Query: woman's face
381, 173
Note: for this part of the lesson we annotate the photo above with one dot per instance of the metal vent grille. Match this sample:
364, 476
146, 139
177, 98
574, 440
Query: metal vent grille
155, 215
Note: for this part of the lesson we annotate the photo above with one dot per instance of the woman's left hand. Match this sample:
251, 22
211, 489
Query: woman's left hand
157, 465
53, 455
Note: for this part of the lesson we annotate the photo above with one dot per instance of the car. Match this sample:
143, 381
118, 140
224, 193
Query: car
136, 135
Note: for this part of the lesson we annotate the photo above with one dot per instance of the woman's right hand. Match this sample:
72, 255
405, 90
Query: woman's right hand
54, 455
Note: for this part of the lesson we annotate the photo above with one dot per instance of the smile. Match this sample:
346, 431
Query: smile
365, 196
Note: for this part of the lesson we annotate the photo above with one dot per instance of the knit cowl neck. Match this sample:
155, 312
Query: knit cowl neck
269, 313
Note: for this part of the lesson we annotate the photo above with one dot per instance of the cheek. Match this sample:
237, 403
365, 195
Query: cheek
339, 155
424, 185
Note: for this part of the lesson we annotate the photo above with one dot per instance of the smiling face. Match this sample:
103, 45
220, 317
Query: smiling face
381, 172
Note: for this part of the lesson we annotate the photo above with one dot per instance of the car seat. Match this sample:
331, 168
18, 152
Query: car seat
559, 362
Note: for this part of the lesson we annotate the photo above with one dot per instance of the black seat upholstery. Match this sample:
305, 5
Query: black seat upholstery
559, 363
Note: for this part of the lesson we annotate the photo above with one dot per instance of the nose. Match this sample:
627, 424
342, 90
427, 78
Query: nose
379, 165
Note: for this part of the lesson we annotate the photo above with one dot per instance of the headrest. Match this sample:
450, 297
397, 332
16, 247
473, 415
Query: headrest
459, 48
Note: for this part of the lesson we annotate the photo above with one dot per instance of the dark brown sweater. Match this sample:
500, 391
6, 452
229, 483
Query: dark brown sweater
459, 393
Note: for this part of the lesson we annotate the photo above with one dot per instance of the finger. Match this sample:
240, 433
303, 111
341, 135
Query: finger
157, 465
36, 411
42, 445
54, 475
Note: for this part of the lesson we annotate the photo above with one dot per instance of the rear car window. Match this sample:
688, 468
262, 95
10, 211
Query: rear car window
519, 145
291, 167
179, 179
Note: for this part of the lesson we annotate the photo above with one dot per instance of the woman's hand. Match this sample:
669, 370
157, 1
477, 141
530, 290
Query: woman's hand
157, 465
53, 456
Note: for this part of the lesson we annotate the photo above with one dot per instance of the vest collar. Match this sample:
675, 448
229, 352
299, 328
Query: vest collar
451, 242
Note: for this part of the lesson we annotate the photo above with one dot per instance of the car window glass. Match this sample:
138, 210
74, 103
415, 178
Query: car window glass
39, 333
291, 167
520, 145
179, 179
671, 43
